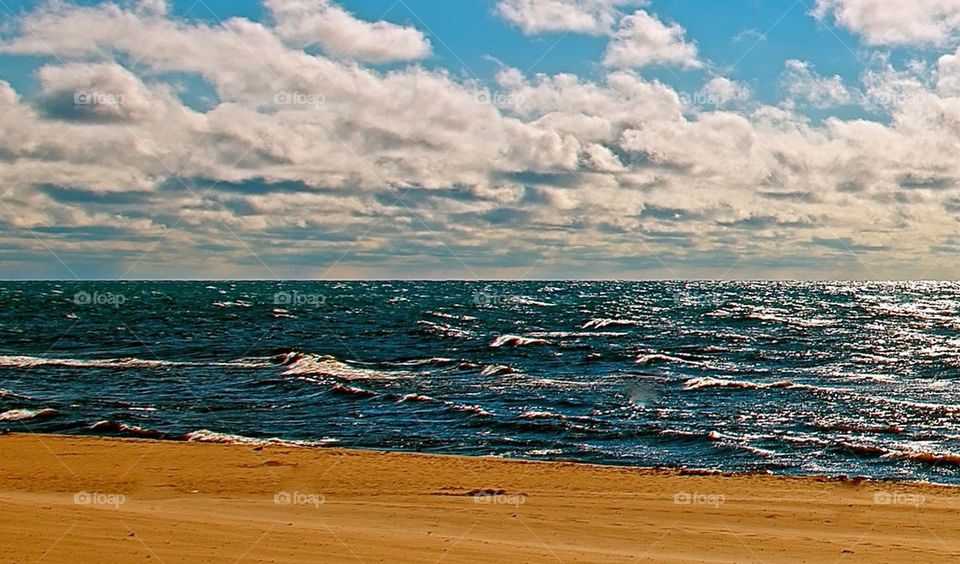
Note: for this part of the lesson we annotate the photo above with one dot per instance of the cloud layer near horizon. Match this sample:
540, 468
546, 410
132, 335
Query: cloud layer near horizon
321, 162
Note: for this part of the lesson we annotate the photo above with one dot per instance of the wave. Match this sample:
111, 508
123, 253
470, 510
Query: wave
563, 384
707, 382
497, 370
326, 365
122, 363
945, 409
443, 315
928, 457
9, 394
435, 361
466, 408
551, 415
865, 358
517, 341
27, 414
600, 323
238, 303
576, 334
857, 427
208, 436
123, 428
741, 443
915, 454
445, 330
657, 358
345, 390
524, 300
415, 397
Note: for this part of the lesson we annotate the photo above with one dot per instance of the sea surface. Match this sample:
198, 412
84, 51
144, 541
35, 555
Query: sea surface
786, 377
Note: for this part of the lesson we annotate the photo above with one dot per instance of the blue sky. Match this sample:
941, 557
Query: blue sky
479, 139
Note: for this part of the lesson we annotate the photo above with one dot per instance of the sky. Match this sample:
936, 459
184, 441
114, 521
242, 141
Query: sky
480, 139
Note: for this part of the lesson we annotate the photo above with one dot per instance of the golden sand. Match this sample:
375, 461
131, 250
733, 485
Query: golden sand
70, 499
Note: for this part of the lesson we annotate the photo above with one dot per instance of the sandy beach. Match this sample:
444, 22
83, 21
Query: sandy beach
70, 499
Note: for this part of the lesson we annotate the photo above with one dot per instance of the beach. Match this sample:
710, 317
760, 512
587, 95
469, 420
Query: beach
85, 499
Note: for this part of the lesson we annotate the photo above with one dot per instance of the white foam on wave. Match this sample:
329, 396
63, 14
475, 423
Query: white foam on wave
658, 357
938, 407
600, 323
352, 391
416, 397
451, 316
517, 341
916, 454
575, 334
127, 362
524, 300
445, 330
708, 382
238, 303
115, 427
497, 370
424, 361
208, 436
467, 408
27, 414
326, 365
552, 415
563, 384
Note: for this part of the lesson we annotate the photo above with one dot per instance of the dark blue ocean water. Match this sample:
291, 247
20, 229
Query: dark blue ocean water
800, 378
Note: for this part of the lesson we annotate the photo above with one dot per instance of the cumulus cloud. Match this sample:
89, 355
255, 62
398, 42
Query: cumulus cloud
895, 22
643, 40
304, 159
805, 86
104, 92
302, 23
721, 91
592, 17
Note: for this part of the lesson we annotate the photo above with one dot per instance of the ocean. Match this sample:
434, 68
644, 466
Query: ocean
825, 378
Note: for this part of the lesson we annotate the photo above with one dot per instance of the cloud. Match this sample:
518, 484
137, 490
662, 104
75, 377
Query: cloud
643, 40
804, 86
721, 91
302, 23
591, 17
407, 171
895, 22
104, 92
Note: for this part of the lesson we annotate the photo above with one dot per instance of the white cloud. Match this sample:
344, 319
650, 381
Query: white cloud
593, 17
387, 162
319, 22
721, 91
643, 40
805, 86
895, 22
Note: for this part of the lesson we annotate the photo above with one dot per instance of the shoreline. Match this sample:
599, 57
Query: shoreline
215, 438
79, 498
